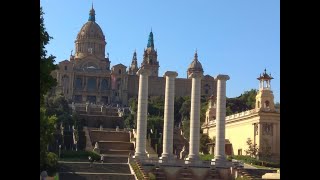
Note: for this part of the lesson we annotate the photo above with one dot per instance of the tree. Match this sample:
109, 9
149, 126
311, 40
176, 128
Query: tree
204, 140
252, 148
46, 136
46, 83
46, 63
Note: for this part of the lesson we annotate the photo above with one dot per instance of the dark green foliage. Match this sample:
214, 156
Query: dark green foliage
252, 148
58, 105
51, 163
245, 101
156, 106
177, 106
249, 160
130, 121
204, 140
185, 108
186, 128
206, 157
133, 103
46, 63
46, 136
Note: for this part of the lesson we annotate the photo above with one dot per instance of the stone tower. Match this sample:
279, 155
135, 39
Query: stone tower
150, 57
211, 111
265, 98
134, 65
90, 39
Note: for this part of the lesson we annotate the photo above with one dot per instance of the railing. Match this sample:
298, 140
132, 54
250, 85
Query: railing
110, 129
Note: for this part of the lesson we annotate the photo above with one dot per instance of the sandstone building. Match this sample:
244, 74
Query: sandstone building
87, 76
261, 124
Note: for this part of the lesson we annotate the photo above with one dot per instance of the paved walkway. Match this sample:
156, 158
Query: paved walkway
248, 166
124, 174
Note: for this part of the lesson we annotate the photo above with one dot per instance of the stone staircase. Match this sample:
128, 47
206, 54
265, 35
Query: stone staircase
254, 174
184, 174
83, 170
159, 173
112, 142
213, 174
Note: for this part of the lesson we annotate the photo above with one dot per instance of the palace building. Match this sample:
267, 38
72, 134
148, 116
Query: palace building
87, 76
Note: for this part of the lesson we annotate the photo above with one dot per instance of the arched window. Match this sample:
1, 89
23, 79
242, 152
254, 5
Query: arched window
258, 104
119, 71
267, 103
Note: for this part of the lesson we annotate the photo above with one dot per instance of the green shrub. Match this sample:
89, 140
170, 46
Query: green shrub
52, 163
249, 160
206, 157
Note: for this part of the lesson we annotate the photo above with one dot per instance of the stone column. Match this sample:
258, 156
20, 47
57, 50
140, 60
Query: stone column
220, 157
142, 114
167, 152
195, 117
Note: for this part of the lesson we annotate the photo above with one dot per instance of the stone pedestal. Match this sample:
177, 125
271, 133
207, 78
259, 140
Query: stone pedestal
167, 152
195, 118
220, 157
142, 112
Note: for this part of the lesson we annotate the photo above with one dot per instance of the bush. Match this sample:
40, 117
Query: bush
52, 163
249, 160
206, 157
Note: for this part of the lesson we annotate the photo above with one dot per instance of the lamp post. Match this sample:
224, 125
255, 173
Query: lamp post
59, 150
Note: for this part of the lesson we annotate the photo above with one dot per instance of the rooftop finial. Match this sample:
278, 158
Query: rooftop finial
196, 54
150, 40
92, 14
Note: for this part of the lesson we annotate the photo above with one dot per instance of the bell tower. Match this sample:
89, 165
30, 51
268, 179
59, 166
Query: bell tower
150, 57
265, 98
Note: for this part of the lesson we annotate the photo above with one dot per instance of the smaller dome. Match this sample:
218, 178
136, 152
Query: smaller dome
195, 65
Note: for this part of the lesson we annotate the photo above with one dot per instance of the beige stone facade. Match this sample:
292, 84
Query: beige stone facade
88, 77
261, 125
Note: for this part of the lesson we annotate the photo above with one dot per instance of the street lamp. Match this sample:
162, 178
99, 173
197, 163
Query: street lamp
59, 150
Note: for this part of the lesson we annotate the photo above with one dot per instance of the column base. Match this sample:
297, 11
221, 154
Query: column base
193, 159
167, 158
223, 163
140, 156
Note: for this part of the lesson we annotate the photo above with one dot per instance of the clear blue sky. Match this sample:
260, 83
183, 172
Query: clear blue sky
238, 38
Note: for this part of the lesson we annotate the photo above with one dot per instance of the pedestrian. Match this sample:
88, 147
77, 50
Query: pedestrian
101, 158
90, 161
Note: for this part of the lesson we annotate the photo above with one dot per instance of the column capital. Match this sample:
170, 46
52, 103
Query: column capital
142, 71
171, 74
223, 77
196, 75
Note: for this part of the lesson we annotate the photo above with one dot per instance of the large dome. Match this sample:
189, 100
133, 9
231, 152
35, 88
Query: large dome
90, 39
90, 30
195, 65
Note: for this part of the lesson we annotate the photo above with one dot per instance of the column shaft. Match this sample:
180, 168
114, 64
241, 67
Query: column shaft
168, 115
195, 119
142, 115
220, 120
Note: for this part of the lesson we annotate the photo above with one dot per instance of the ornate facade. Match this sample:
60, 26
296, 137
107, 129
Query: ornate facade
261, 124
87, 76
